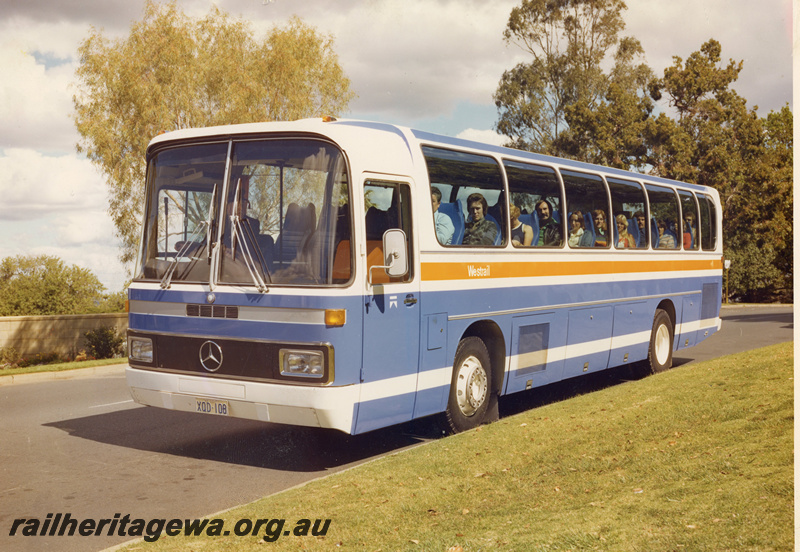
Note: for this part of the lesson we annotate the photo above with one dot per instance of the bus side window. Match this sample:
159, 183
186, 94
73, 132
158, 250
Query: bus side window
627, 198
472, 188
691, 239
665, 216
586, 194
536, 193
708, 223
387, 205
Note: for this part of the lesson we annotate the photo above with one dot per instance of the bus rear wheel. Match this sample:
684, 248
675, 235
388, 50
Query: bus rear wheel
471, 386
659, 356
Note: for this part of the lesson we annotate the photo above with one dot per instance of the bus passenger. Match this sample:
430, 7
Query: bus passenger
442, 223
549, 229
521, 234
578, 236
479, 230
625, 239
641, 224
688, 231
665, 241
600, 228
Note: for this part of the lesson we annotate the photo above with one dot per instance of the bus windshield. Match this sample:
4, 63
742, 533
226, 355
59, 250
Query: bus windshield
278, 218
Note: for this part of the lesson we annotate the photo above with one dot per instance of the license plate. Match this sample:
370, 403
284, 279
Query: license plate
210, 406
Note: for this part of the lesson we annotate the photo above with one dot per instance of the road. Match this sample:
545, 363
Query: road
81, 446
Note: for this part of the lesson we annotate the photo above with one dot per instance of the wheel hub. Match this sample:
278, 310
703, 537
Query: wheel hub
471, 386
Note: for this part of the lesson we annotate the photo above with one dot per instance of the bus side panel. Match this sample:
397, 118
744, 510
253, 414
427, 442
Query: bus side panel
631, 338
538, 347
588, 340
435, 369
690, 322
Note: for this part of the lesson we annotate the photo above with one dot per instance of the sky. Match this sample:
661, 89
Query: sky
428, 64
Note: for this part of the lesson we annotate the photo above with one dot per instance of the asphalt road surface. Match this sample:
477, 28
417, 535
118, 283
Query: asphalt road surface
81, 446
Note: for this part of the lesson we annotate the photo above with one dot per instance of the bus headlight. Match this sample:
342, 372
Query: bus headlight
141, 349
302, 363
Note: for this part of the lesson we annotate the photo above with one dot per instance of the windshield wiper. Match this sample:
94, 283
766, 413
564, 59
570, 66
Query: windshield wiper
189, 243
238, 232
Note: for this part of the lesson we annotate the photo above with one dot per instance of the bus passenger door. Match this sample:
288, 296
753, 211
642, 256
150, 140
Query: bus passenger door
391, 313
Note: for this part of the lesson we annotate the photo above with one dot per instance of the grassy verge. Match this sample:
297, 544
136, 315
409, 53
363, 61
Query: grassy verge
61, 366
697, 458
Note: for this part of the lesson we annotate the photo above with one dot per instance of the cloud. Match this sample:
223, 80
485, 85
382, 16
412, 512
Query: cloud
24, 13
34, 185
418, 59
56, 205
35, 103
757, 33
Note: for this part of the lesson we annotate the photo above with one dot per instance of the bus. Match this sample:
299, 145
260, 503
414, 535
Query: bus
354, 275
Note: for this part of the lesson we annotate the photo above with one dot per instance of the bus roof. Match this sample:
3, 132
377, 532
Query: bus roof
352, 129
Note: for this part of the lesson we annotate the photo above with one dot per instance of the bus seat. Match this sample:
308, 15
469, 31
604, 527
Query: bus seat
633, 230
588, 223
453, 210
298, 223
675, 237
496, 211
587, 240
533, 222
341, 262
499, 237
376, 223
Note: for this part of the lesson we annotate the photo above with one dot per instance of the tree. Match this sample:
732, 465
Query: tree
562, 103
568, 40
610, 130
715, 140
173, 72
46, 285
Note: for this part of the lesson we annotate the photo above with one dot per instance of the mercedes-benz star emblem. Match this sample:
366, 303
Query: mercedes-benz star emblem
211, 356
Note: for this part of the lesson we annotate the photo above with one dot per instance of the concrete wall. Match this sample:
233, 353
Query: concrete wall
63, 334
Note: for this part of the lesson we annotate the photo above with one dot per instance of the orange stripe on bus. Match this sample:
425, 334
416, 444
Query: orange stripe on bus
478, 270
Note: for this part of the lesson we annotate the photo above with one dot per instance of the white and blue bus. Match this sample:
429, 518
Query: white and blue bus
353, 275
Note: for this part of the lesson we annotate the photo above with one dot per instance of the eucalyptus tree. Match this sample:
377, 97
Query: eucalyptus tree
570, 41
715, 139
173, 72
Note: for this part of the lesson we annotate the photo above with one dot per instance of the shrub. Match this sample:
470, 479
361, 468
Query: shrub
104, 342
8, 357
40, 358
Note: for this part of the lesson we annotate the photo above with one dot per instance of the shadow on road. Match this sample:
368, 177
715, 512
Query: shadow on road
289, 448
298, 449
238, 441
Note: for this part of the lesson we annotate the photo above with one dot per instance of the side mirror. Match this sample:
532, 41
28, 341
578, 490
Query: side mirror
394, 254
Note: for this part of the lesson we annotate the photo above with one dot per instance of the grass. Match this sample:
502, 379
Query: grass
697, 458
60, 367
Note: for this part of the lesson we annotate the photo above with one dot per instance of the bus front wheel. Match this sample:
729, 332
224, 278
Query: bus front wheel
659, 356
471, 386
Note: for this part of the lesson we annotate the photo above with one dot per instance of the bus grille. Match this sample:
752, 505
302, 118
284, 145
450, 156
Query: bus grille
212, 311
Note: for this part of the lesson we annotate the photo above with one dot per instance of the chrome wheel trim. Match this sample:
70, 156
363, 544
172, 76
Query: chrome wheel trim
471, 386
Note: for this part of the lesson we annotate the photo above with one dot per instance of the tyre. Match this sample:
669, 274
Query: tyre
471, 386
659, 356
